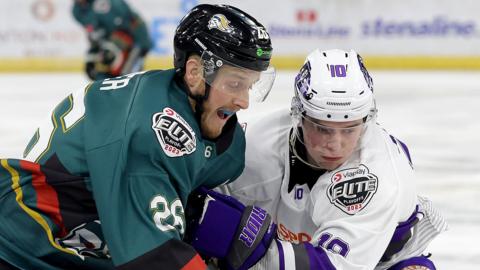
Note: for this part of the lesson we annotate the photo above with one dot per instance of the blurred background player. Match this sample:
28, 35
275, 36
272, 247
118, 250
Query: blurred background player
340, 189
118, 38
104, 181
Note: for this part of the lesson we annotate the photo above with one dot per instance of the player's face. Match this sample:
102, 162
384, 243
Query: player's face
330, 144
229, 93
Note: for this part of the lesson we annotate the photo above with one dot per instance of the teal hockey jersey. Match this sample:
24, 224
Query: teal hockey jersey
104, 182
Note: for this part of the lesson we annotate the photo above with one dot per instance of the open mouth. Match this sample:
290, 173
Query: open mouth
224, 114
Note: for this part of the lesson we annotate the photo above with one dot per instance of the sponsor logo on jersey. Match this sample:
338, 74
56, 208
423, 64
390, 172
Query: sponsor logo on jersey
352, 189
287, 235
175, 135
220, 22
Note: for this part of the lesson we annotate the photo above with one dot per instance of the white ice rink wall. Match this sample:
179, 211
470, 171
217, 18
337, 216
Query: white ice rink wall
39, 35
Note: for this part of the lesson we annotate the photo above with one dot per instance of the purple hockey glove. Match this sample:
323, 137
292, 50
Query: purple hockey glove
226, 229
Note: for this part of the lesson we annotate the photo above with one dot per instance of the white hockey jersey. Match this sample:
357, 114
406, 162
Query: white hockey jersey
352, 212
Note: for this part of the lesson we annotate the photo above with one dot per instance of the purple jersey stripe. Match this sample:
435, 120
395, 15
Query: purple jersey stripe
281, 255
318, 258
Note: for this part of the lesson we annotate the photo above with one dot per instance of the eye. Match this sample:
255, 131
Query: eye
347, 131
236, 85
323, 130
233, 84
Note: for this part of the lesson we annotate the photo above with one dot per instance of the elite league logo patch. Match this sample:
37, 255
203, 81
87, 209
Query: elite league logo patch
176, 137
352, 189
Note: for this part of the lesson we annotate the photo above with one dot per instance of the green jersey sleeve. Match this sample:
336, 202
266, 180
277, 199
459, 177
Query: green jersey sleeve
123, 154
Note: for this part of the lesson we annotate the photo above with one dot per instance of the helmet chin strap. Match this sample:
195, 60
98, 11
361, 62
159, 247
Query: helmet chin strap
199, 99
300, 155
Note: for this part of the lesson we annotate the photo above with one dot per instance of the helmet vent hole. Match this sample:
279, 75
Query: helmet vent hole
346, 116
329, 116
325, 54
361, 93
338, 92
346, 55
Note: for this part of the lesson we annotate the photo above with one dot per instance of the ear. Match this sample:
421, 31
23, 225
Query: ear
194, 75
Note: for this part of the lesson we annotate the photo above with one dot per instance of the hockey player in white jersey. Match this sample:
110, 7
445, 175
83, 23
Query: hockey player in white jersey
339, 188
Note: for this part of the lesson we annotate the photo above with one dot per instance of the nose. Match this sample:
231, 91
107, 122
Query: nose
334, 142
242, 100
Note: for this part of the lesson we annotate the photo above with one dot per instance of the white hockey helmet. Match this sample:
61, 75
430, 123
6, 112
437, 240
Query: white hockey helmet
334, 85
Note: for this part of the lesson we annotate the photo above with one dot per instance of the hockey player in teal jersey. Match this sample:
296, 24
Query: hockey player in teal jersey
118, 37
104, 181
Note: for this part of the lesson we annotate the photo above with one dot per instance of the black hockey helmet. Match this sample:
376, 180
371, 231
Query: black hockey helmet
225, 31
